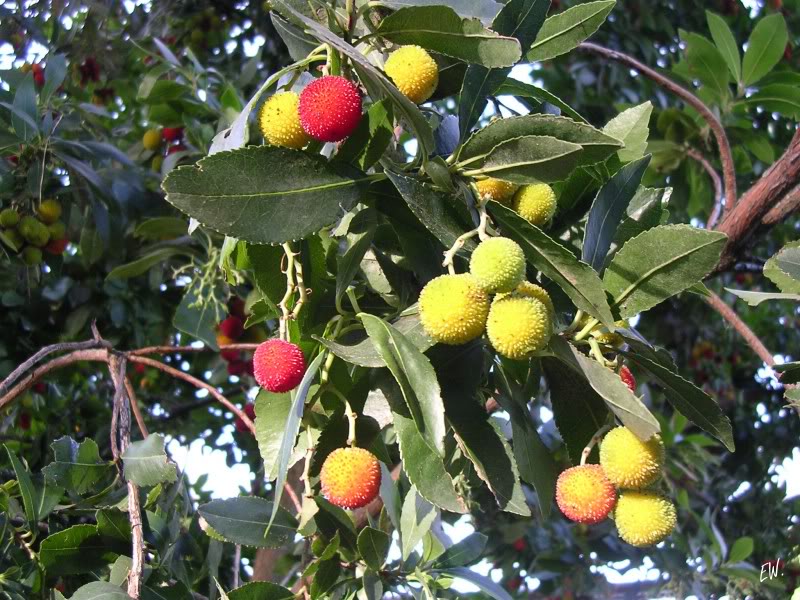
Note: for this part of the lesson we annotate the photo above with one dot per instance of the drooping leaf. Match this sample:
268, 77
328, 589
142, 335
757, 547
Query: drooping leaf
631, 126
660, 263
764, 48
146, 463
143, 264
578, 280
440, 29
415, 521
246, 520
24, 114
373, 545
463, 553
485, 584
607, 211
79, 549
272, 412
564, 31
360, 235
726, 43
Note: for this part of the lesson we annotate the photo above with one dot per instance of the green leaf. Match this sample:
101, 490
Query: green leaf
531, 159
644, 212
373, 545
685, 397
198, 317
596, 145
264, 194
54, 73
660, 263
783, 269
160, 228
146, 464
741, 550
369, 141
24, 114
246, 520
520, 19
632, 127
764, 48
113, 523
465, 552
100, 590
726, 44
756, 298
415, 521
623, 403
485, 584
26, 487
91, 245
607, 211
790, 372
360, 235
143, 264
440, 29
485, 10
260, 590
76, 467
298, 43
415, 375
578, 280
512, 87
564, 31
79, 549
272, 413
706, 63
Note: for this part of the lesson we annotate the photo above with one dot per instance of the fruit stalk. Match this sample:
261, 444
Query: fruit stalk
596, 438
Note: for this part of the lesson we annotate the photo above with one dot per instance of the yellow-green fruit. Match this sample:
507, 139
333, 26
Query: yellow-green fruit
414, 72
57, 230
644, 518
156, 163
151, 140
535, 203
498, 265
49, 211
628, 461
280, 121
453, 309
13, 237
518, 326
31, 256
531, 290
497, 189
34, 231
9, 217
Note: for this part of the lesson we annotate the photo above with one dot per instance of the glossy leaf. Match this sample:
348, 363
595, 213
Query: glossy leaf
373, 545
250, 521
485, 584
531, 159
726, 44
463, 553
706, 63
631, 126
416, 520
272, 413
764, 48
512, 87
485, 10
563, 32
79, 549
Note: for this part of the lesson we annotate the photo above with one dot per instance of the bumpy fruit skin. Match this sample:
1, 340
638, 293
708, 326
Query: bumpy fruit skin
531, 290
498, 265
535, 203
497, 189
644, 518
151, 140
453, 309
57, 230
350, 477
330, 108
414, 72
518, 326
49, 211
585, 495
628, 378
278, 365
34, 231
629, 462
232, 327
280, 121
31, 256
9, 217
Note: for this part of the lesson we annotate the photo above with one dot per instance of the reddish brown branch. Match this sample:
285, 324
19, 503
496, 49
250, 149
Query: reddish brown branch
187, 349
783, 209
741, 328
715, 179
689, 98
137, 413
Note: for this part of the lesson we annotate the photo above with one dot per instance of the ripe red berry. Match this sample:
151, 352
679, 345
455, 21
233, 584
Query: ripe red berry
236, 307
278, 366
139, 368
172, 134
57, 246
24, 420
585, 495
232, 327
40, 387
237, 367
350, 477
519, 545
229, 355
628, 378
38, 75
330, 108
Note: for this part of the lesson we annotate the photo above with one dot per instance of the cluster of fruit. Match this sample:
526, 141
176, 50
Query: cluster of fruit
166, 141
456, 309
536, 203
28, 235
588, 493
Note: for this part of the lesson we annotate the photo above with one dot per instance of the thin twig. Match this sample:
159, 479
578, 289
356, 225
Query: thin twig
237, 565
137, 413
298, 506
741, 328
596, 439
187, 349
715, 179
725, 154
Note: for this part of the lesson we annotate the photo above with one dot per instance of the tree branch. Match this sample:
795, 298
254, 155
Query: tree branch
742, 328
726, 157
783, 209
137, 413
715, 179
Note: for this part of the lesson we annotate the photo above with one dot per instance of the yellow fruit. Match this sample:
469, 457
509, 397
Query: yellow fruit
280, 121
644, 518
518, 326
453, 309
497, 189
535, 203
610, 338
498, 265
151, 140
628, 461
414, 72
531, 290
49, 211
350, 477
157, 163
585, 495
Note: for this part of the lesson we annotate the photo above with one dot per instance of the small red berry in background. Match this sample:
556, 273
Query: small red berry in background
232, 327
520, 545
40, 387
38, 74
250, 410
236, 307
57, 247
139, 368
237, 368
628, 378
278, 365
172, 134
229, 355
24, 420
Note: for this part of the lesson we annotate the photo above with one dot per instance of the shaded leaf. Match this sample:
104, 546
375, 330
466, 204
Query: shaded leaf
783, 269
463, 553
244, 520
373, 545
415, 521
146, 464
260, 590
100, 590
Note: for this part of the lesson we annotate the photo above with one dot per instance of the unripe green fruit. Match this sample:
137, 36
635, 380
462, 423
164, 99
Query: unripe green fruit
32, 256
536, 203
13, 237
9, 217
518, 326
498, 265
34, 231
49, 211
57, 230
157, 163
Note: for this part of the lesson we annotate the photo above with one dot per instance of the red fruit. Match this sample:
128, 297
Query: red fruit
237, 367
350, 477
585, 495
139, 368
40, 387
38, 74
232, 327
229, 355
176, 148
278, 366
519, 545
24, 420
250, 411
172, 134
57, 246
628, 378
90, 71
13, 159
330, 108
236, 307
